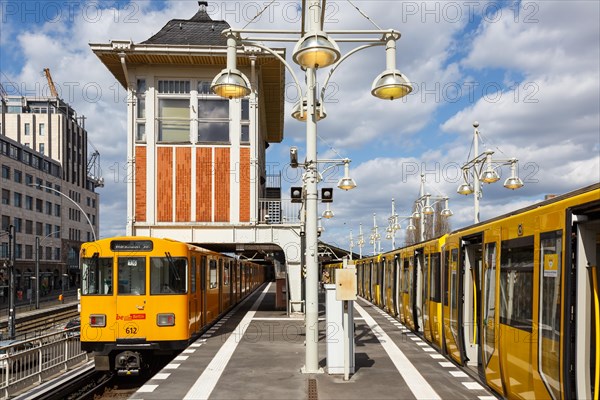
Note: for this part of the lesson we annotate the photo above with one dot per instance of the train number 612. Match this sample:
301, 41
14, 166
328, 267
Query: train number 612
131, 330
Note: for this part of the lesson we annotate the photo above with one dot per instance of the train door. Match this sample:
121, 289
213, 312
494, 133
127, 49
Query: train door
381, 277
360, 277
435, 299
583, 356
241, 280
132, 300
384, 283
469, 322
221, 290
490, 317
409, 307
425, 297
405, 290
396, 286
376, 283
420, 277
368, 279
193, 297
452, 304
203, 283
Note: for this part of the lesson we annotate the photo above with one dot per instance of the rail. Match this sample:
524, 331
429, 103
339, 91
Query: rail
24, 363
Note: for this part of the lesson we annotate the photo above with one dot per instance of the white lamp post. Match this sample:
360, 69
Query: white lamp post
315, 49
375, 237
394, 221
473, 171
424, 207
361, 240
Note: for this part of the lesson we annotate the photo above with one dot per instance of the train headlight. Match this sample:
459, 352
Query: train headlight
165, 319
98, 320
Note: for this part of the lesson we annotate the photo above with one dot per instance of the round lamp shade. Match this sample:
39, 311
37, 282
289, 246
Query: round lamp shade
316, 50
391, 85
230, 84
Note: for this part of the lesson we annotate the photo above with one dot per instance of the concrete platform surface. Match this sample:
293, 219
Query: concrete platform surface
255, 352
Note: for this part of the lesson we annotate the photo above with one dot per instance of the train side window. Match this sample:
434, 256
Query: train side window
96, 276
516, 282
168, 275
213, 277
489, 298
131, 275
549, 306
434, 289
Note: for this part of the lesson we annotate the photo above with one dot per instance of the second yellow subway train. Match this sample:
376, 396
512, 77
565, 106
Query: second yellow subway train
513, 299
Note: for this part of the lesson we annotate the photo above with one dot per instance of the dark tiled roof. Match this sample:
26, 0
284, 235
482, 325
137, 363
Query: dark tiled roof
200, 30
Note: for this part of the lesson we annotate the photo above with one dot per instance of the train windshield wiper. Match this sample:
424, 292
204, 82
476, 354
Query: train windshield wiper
172, 266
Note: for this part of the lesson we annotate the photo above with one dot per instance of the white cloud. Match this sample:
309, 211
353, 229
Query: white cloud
553, 121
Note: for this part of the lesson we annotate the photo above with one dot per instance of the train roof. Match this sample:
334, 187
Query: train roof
534, 206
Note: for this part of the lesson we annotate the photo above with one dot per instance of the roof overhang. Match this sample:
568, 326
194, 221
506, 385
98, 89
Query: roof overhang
272, 71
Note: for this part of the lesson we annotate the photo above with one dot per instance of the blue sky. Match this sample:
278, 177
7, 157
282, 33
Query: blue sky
527, 71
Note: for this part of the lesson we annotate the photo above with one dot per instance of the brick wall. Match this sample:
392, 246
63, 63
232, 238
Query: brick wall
140, 183
244, 178
183, 184
164, 184
222, 179
203, 184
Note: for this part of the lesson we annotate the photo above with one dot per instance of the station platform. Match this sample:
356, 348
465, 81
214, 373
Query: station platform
255, 352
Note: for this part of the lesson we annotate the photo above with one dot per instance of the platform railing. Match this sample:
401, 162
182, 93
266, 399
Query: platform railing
27, 362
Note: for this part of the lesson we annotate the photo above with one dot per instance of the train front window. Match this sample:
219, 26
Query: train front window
132, 275
96, 276
168, 275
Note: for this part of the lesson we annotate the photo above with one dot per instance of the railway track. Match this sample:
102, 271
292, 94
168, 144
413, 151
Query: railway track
40, 321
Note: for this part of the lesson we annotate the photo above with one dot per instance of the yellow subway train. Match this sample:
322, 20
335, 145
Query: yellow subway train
513, 300
142, 297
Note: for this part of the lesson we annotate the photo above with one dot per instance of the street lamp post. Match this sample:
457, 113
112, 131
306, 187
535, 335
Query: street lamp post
37, 185
473, 170
393, 226
424, 207
361, 240
375, 238
314, 50
394, 221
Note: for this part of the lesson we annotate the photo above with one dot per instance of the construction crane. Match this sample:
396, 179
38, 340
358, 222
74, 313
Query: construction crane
53, 91
94, 172
93, 164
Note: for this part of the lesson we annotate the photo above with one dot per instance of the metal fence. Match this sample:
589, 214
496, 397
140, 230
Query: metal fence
276, 211
24, 363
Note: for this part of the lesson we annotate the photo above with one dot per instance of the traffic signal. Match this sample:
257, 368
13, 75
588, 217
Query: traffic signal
327, 195
296, 194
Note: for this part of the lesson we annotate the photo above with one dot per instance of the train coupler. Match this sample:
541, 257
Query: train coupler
128, 363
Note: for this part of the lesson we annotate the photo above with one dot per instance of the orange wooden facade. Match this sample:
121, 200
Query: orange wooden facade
244, 176
174, 180
140, 183
164, 184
